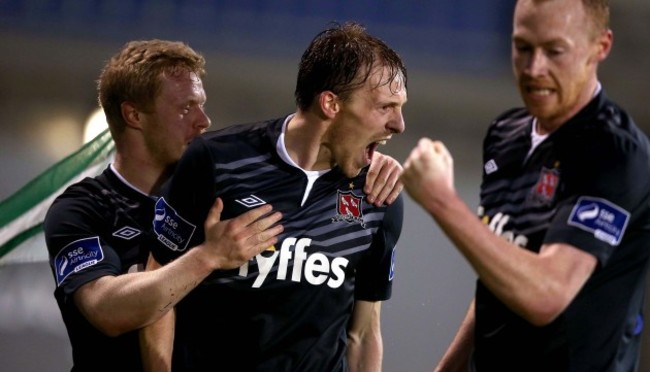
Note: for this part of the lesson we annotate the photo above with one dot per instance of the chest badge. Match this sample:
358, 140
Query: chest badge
546, 186
348, 208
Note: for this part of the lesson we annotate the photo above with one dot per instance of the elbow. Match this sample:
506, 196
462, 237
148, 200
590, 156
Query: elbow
115, 326
117, 323
545, 310
112, 330
541, 318
112, 325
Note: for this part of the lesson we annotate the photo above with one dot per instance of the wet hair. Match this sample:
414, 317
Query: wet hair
340, 59
135, 74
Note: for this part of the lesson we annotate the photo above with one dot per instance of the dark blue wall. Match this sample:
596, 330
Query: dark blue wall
464, 35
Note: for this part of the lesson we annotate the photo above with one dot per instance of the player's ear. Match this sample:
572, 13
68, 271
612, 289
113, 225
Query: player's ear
132, 116
329, 103
604, 45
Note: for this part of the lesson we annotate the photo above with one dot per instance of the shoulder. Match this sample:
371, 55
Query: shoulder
621, 127
607, 132
236, 141
80, 208
509, 120
603, 153
246, 131
508, 132
396, 207
93, 198
395, 211
86, 192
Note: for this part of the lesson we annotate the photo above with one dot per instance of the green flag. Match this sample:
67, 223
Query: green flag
22, 214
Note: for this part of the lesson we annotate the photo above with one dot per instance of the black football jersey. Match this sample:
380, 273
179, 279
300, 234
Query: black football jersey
588, 185
96, 228
287, 309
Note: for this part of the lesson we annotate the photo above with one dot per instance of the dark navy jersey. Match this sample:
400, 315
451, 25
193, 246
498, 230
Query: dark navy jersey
93, 229
287, 309
588, 185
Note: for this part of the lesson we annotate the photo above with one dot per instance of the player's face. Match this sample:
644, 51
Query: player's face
177, 117
555, 54
368, 118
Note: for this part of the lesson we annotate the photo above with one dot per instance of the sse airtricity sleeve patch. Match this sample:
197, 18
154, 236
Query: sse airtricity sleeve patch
77, 256
391, 274
606, 220
170, 229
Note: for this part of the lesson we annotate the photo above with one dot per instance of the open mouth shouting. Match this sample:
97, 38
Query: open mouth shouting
371, 148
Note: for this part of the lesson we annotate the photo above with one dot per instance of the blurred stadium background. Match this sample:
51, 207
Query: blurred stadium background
457, 53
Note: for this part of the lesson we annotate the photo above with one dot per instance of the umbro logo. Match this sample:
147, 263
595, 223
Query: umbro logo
250, 201
127, 232
490, 167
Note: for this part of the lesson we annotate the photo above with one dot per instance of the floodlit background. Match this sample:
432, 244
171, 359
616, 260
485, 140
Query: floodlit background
457, 54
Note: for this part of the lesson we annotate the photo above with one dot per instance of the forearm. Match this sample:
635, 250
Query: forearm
536, 286
156, 344
503, 267
525, 281
127, 302
365, 345
365, 354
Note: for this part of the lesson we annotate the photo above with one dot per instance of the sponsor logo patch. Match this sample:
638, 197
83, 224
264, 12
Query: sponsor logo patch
348, 208
605, 219
76, 256
391, 275
127, 232
171, 229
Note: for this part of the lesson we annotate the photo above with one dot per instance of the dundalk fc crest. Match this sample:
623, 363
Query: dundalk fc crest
348, 208
544, 190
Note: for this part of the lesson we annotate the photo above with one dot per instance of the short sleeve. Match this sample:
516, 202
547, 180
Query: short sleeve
76, 252
184, 204
604, 194
375, 273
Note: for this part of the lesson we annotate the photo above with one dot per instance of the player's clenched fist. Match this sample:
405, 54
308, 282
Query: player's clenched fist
231, 243
428, 171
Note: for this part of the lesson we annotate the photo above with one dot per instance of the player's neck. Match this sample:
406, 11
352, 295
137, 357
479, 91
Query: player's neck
144, 175
303, 137
548, 125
